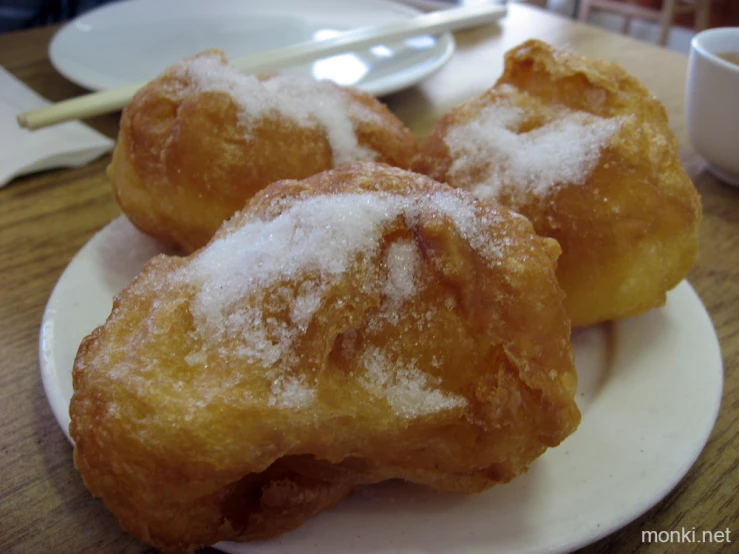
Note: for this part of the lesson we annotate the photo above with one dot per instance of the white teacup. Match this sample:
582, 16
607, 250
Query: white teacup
712, 101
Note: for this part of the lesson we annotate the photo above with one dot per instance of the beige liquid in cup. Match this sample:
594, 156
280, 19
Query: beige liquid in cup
731, 57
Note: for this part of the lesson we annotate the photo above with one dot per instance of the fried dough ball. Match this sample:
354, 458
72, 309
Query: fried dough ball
196, 143
585, 152
364, 324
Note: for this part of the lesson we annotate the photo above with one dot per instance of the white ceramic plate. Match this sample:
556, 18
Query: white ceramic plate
135, 40
650, 389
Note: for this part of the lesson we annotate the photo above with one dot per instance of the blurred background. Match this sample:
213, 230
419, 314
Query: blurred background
24, 14
683, 23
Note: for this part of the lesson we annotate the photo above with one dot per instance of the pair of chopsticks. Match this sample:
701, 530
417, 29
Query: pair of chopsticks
107, 101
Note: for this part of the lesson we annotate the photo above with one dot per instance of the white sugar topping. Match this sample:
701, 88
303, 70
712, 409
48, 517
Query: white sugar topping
289, 391
307, 103
258, 288
564, 150
409, 391
402, 260
312, 241
245, 277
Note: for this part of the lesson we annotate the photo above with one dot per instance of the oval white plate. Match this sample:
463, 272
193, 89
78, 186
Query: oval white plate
135, 40
650, 389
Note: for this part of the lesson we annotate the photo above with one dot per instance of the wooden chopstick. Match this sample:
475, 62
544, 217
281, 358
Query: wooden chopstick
107, 101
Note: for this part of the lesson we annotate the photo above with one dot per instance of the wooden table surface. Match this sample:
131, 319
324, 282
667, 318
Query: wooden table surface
45, 218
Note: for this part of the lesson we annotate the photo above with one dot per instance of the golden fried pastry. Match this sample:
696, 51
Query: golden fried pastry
364, 324
196, 143
584, 151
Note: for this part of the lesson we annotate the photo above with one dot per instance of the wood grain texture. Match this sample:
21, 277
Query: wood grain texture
47, 217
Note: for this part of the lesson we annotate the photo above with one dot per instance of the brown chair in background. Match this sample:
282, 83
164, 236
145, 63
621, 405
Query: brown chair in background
665, 15
539, 3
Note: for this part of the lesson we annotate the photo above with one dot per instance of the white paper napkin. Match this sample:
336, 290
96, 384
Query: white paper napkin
70, 144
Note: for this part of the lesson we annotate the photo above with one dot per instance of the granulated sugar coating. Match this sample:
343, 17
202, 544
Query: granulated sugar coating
289, 391
402, 260
314, 241
409, 391
246, 278
306, 102
564, 150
